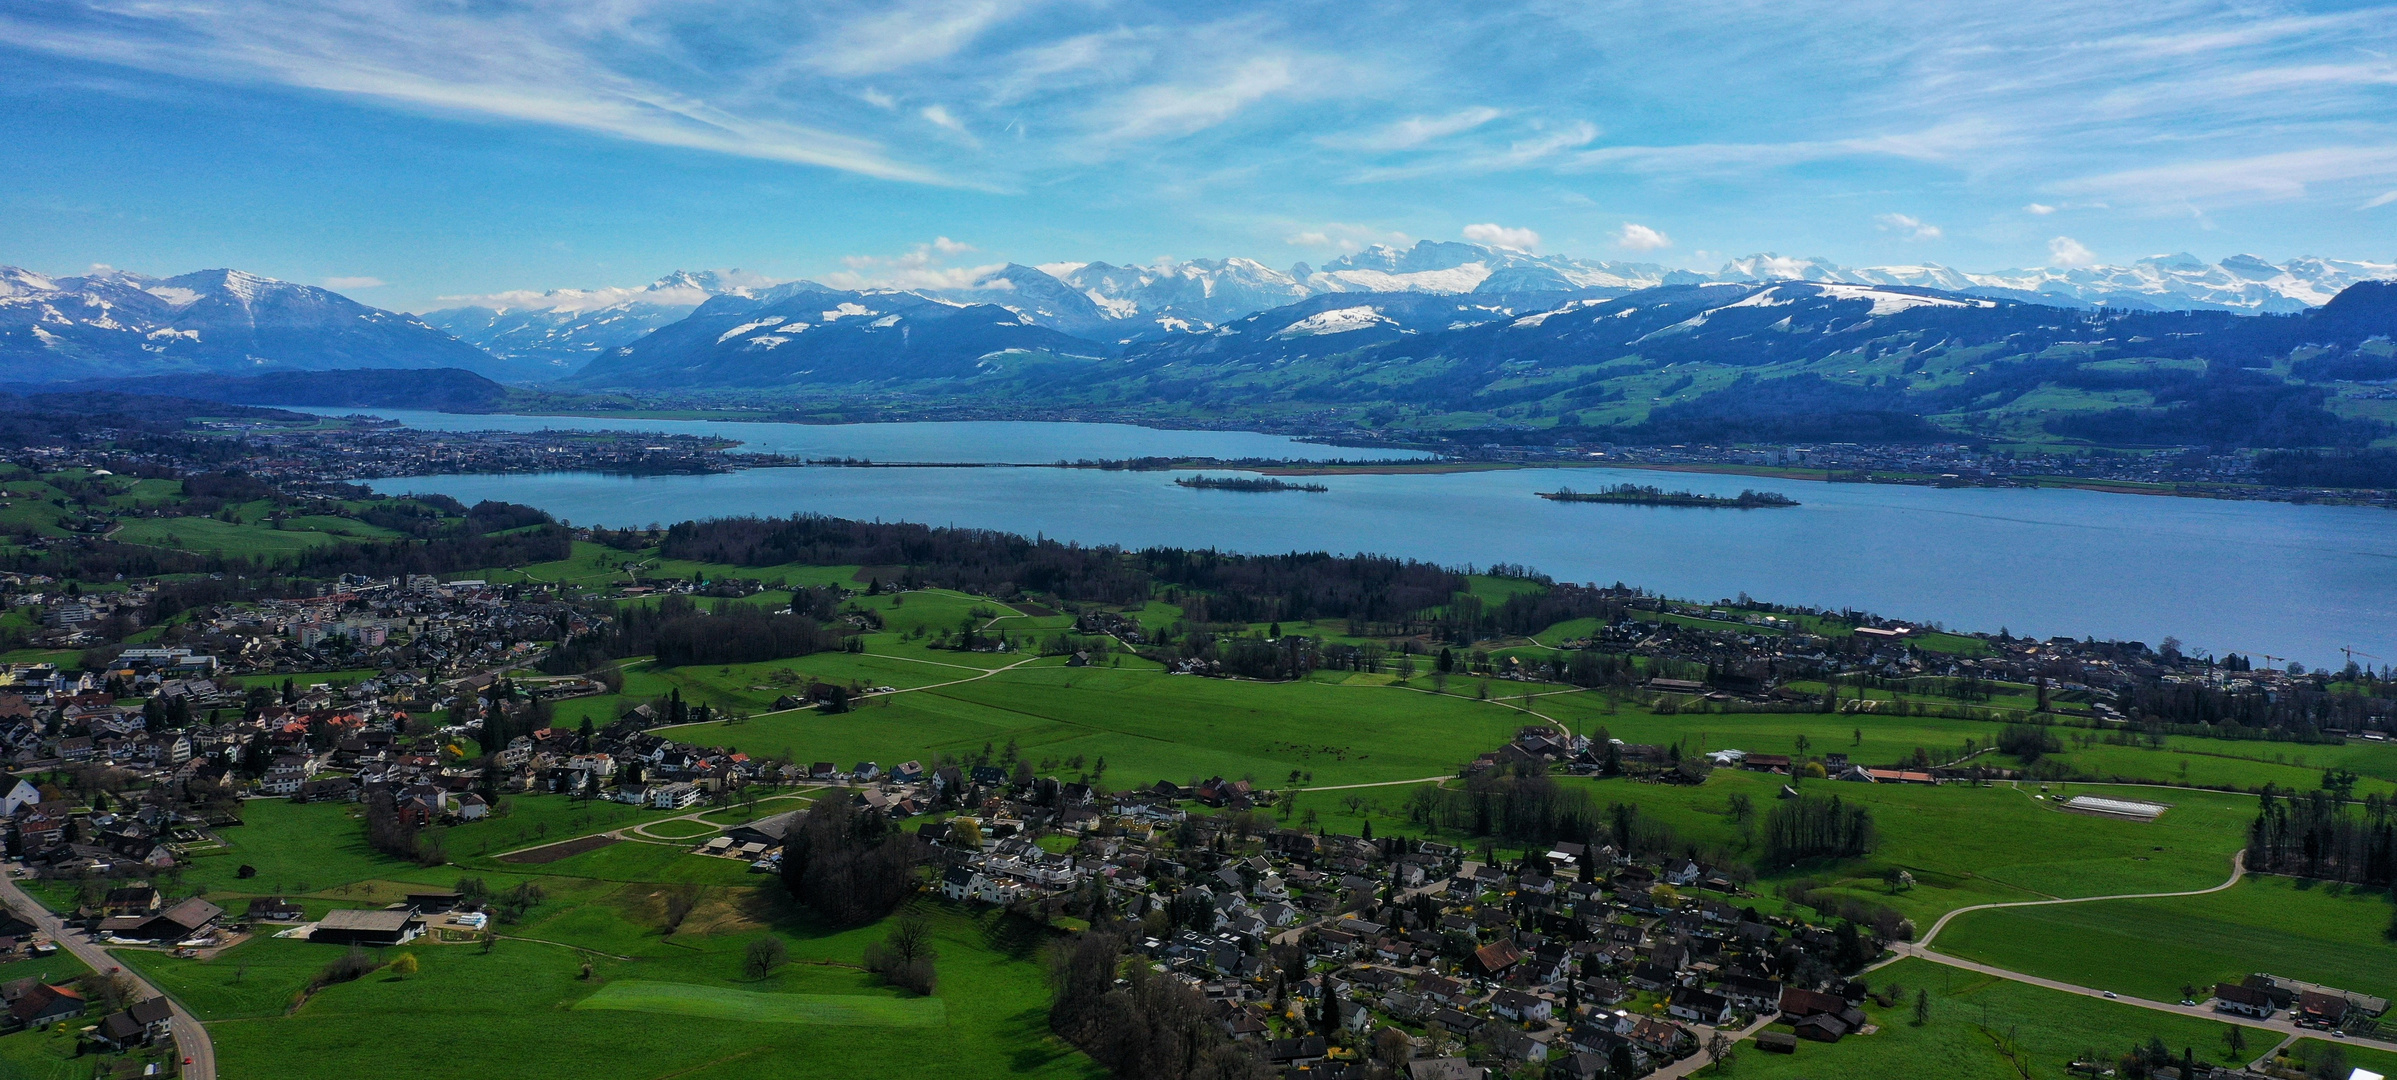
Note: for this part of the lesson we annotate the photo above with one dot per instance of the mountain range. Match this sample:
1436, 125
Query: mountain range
111, 324
1436, 336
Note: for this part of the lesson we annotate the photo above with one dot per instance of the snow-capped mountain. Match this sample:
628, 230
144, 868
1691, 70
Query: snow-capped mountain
1173, 297
553, 333
2246, 284
802, 332
109, 324
1131, 303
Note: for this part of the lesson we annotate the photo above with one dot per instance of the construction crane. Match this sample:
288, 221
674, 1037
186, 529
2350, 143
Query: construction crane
2352, 654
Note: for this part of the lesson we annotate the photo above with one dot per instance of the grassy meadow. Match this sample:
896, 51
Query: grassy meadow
1984, 1028
2152, 948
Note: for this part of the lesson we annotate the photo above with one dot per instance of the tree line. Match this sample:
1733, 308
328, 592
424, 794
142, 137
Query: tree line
2318, 834
851, 866
1815, 827
1137, 1023
1212, 586
678, 633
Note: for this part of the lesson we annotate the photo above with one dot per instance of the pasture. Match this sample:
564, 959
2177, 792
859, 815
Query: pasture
1984, 1028
2152, 948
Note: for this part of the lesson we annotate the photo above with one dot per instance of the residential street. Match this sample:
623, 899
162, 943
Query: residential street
191, 1039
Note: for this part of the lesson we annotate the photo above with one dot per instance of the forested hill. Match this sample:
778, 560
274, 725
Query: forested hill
1721, 361
1808, 361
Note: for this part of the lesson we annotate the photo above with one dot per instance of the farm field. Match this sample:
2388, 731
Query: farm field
1149, 726
648, 1006
2152, 948
1967, 845
2308, 1052
1972, 1018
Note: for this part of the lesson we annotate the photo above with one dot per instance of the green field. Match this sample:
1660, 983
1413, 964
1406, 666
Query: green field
1967, 845
471, 1013
1973, 1019
2151, 948
720, 1003
1148, 725
2306, 1052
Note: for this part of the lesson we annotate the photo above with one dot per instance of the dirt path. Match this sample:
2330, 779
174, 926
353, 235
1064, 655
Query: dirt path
2238, 871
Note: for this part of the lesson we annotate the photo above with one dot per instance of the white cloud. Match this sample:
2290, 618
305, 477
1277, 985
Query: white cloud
2181, 186
1167, 111
1912, 226
939, 115
1345, 237
924, 266
2067, 252
339, 283
906, 35
1501, 236
1636, 237
2040, 209
467, 60
1414, 131
2382, 199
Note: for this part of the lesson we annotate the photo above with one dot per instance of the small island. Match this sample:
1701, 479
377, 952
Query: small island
1642, 495
1246, 483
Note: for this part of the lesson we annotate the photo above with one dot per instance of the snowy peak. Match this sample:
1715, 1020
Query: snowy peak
559, 330
2247, 284
113, 324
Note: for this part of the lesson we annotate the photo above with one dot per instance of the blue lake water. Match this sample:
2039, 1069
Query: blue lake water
2250, 577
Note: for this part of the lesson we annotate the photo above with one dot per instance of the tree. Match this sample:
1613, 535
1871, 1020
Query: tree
1922, 1006
1718, 1050
763, 955
404, 966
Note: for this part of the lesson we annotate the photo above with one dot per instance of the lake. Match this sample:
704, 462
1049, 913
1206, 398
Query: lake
2250, 577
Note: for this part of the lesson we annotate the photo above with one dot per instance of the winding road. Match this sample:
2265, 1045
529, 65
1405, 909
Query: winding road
191, 1039
1921, 949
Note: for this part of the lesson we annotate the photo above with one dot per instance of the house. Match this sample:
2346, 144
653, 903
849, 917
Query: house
145, 1022
42, 1003
176, 923
2242, 1001
275, 909
1457, 1022
1521, 1007
2327, 1010
674, 796
471, 807
1821, 1027
1797, 1003
130, 900
1494, 958
1750, 993
1287, 1053
356, 926
1776, 1042
1448, 1068
1699, 1006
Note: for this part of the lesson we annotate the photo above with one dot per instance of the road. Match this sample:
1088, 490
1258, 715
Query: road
191, 1039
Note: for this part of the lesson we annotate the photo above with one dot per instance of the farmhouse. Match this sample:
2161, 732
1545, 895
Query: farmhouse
2242, 1000
353, 926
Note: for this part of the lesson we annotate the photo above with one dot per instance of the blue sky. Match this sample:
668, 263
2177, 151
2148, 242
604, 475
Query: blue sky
439, 147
